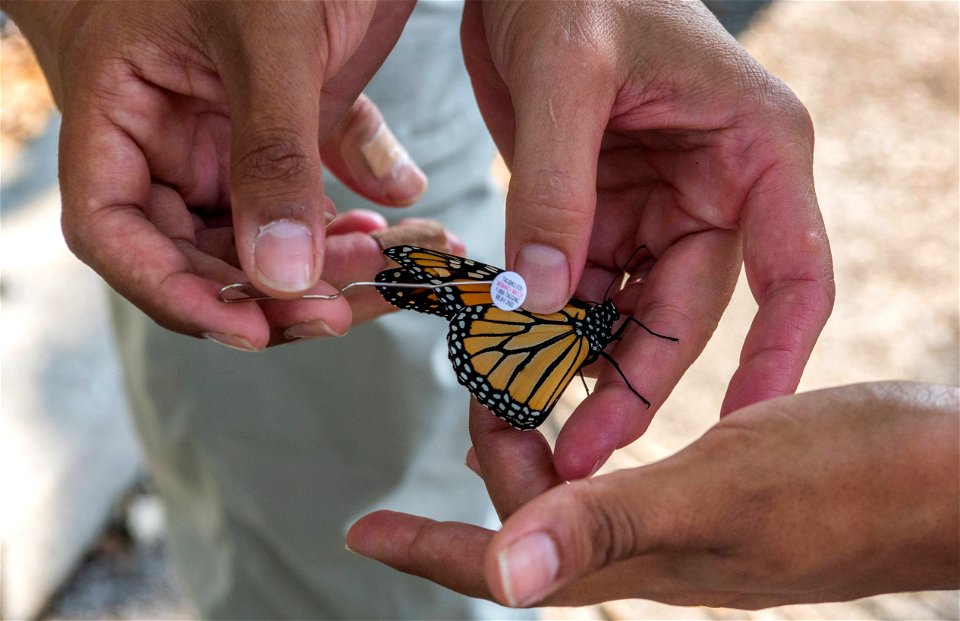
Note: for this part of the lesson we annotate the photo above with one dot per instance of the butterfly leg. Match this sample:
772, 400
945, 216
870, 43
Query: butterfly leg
619, 333
626, 381
584, 380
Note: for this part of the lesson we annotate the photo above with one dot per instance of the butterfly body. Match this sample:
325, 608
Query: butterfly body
516, 363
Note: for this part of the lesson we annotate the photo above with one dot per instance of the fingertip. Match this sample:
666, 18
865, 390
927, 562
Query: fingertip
604, 422
357, 221
190, 304
364, 536
580, 457
455, 244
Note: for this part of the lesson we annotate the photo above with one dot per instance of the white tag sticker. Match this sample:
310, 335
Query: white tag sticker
508, 291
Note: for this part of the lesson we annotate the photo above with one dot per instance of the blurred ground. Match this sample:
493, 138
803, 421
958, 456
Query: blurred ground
68, 449
881, 83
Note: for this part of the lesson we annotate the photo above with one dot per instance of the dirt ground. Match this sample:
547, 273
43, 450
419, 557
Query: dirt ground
881, 83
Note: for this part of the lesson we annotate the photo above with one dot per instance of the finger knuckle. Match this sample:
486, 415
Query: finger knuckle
81, 232
276, 156
780, 107
553, 202
608, 535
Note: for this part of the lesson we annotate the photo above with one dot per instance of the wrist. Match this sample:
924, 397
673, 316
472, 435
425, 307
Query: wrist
42, 25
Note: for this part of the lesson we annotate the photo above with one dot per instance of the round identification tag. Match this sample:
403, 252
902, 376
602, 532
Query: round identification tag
508, 291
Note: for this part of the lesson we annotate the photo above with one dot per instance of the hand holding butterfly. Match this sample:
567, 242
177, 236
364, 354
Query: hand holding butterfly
188, 125
627, 124
822, 496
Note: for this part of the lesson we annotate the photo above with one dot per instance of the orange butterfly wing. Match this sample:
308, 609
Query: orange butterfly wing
517, 363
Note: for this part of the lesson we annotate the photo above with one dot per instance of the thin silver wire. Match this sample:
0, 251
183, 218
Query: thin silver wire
259, 297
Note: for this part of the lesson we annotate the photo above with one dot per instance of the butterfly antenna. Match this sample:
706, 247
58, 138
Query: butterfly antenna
619, 333
616, 366
622, 270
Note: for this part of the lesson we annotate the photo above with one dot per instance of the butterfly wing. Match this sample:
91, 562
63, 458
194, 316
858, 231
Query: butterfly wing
409, 298
517, 363
438, 267
421, 265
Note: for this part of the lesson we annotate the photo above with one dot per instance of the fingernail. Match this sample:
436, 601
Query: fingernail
453, 242
310, 329
547, 274
283, 255
400, 178
230, 340
528, 568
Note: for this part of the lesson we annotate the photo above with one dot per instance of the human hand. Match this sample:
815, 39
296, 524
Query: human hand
627, 124
354, 252
192, 140
822, 496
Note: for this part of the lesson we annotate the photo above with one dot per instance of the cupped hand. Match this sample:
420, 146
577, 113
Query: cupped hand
645, 123
186, 121
822, 496
353, 253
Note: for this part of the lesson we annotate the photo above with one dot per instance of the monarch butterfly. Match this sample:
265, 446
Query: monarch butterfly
516, 363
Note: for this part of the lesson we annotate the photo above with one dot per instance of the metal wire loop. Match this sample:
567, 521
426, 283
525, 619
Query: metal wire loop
248, 293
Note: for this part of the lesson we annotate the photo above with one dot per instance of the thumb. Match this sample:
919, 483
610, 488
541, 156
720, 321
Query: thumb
275, 78
552, 194
580, 528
